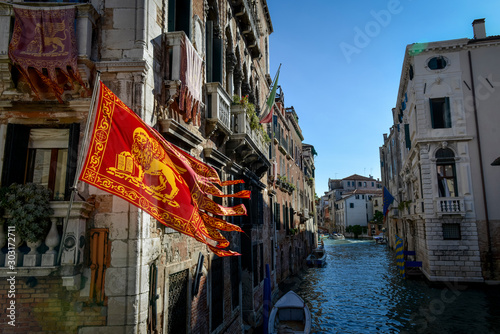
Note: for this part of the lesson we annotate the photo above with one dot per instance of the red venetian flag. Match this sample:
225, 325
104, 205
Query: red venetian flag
128, 158
44, 41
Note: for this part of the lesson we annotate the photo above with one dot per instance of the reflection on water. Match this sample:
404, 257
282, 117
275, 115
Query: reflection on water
361, 291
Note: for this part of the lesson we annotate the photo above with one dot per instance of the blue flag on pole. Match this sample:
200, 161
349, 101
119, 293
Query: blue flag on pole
388, 199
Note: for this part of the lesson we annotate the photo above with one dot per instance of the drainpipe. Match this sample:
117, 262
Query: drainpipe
489, 255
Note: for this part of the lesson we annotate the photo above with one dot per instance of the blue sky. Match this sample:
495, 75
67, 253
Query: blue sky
341, 66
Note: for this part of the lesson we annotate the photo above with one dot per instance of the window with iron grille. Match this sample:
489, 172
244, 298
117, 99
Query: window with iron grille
177, 302
217, 292
451, 231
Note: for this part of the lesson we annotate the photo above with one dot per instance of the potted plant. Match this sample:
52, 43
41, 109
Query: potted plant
27, 208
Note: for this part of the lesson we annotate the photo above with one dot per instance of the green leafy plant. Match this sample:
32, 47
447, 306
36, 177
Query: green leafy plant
28, 209
252, 116
378, 217
404, 204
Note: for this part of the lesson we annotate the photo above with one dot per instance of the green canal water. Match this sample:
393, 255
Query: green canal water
361, 291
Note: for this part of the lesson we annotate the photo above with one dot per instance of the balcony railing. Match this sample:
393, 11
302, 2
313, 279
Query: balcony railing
242, 130
41, 258
449, 206
218, 108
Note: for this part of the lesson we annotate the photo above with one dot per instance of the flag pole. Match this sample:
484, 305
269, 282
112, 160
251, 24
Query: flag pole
271, 90
79, 163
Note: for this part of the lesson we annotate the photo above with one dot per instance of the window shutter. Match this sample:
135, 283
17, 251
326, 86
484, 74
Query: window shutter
16, 152
432, 113
209, 52
217, 61
407, 136
447, 114
74, 138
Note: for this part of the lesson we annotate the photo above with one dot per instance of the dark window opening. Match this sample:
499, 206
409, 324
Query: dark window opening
217, 292
235, 282
440, 113
179, 13
437, 63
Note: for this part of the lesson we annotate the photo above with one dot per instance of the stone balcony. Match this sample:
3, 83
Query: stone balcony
42, 258
218, 110
449, 206
246, 18
247, 144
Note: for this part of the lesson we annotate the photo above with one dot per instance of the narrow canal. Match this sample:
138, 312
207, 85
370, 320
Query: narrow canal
360, 291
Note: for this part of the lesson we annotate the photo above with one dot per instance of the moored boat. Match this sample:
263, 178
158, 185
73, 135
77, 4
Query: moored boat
317, 258
290, 315
338, 236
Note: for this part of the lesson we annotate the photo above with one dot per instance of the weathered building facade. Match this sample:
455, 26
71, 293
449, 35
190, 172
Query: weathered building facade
197, 71
436, 161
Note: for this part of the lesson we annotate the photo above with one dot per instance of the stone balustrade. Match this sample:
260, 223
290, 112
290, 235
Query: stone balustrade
450, 206
41, 258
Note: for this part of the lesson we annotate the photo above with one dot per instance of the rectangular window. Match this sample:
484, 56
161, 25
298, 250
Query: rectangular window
217, 309
447, 183
451, 231
257, 204
179, 16
45, 156
351, 205
235, 282
440, 113
255, 266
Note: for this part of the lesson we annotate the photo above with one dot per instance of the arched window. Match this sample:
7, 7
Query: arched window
446, 173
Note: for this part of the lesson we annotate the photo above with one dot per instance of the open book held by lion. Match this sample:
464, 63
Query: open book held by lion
150, 159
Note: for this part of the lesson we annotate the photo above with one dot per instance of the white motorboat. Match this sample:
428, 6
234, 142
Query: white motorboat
290, 315
338, 236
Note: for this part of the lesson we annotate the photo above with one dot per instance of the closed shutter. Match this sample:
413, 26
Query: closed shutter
74, 138
407, 136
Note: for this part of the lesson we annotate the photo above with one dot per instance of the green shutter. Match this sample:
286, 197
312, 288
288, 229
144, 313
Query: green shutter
447, 114
407, 136
432, 113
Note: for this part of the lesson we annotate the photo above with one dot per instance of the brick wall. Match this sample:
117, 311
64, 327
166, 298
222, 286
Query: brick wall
47, 307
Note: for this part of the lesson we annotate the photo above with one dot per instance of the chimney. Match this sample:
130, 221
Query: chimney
479, 29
